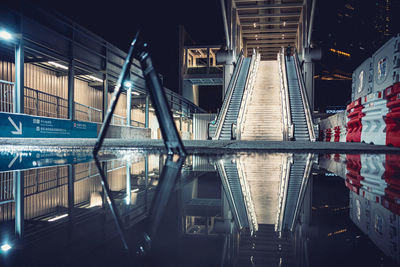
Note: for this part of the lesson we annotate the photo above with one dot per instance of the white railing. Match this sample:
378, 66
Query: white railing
6, 96
287, 162
248, 90
87, 113
248, 200
284, 92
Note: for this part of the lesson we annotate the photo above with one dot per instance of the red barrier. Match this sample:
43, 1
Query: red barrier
391, 200
353, 177
354, 125
328, 135
392, 171
392, 119
337, 134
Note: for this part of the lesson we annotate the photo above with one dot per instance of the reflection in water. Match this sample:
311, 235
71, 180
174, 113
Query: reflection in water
239, 210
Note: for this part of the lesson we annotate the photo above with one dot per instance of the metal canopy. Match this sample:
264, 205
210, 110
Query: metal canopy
269, 25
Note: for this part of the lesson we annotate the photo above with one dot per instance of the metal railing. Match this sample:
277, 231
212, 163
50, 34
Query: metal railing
7, 187
227, 100
248, 89
6, 96
48, 105
304, 97
284, 92
286, 166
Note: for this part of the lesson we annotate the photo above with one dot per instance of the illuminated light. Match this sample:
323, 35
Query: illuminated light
127, 200
135, 190
5, 35
135, 93
339, 52
254, 25
94, 78
284, 23
128, 84
57, 218
55, 64
256, 35
256, 38
5, 247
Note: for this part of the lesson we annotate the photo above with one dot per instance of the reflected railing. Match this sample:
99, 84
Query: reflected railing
288, 129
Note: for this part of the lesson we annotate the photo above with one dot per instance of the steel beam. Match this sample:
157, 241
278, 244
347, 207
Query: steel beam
261, 31
71, 192
261, 16
71, 90
276, 41
269, 35
18, 92
146, 122
270, 6
282, 23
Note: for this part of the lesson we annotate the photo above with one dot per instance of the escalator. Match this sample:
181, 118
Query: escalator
228, 115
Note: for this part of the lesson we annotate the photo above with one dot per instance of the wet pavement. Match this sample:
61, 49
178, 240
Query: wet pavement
140, 208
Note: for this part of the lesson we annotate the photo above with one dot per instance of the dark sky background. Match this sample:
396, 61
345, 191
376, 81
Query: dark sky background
335, 26
117, 22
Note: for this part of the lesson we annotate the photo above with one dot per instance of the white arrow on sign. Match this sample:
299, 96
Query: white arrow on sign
18, 129
14, 159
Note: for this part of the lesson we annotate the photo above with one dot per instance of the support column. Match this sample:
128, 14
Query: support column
128, 105
19, 203
71, 192
146, 177
18, 92
228, 71
71, 90
128, 183
309, 82
146, 122
105, 96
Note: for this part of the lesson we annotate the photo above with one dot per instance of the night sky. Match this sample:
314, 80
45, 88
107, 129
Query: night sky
335, 26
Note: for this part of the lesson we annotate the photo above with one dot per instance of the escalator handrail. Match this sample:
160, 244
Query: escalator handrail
288, 131
229, 195
287, 165
304, 97
255, 59
303, 188
229, 93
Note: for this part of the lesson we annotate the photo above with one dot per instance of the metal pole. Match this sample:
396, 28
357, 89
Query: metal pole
19, 203
228, 45
18, 93
311, 22
128, 183
71, 191
71, 90
105, 96
146, 123
128, 105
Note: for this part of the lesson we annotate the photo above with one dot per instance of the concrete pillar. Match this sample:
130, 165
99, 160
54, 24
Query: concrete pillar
71, 90
228, 71
308, 68
191, 92
18, 93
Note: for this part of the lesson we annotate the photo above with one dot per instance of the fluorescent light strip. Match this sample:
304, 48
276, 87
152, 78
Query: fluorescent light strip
57, 218
5, 247
55, 64
94, 78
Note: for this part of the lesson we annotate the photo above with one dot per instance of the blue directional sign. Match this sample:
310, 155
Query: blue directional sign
26, 126
22, 160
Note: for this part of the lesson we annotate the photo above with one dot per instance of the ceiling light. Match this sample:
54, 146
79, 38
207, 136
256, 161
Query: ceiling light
5, 247
128, 84
58, 218
254, 25
55, 64
94, 78
135, 93
5, 35
284, 23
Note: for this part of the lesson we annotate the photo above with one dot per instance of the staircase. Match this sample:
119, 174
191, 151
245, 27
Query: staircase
236, 99
263, 114
296, 103
266, 248
263, 175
